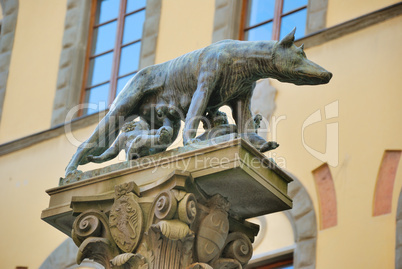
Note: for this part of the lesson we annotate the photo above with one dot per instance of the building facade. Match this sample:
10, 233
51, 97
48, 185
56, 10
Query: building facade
340, 141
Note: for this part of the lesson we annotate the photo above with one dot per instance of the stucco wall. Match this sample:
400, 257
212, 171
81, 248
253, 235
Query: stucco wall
344, 10
33, 69
184, 26
366, 85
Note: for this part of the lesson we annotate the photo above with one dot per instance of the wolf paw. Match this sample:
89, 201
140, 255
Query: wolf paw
269, 146
92, 158
192, 141
165, 135
71, 176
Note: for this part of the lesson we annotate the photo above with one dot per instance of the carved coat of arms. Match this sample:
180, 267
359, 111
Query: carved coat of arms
125, 220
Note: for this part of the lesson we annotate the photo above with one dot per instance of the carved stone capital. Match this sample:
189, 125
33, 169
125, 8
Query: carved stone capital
180, 230
152, 218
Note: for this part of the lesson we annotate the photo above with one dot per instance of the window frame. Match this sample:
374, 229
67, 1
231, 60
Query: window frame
118, 46
276, 20
274, 262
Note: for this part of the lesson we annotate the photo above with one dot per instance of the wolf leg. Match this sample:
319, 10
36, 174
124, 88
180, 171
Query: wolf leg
246, 126
124, 106
198, 105
242, 115
111, 152
98, 142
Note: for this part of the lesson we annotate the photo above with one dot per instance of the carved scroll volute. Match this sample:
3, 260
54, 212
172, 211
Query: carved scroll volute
213, 230
87, 225
188, 208
165, 205
91, 223
91, 234
167, 209
126, 218
238, 247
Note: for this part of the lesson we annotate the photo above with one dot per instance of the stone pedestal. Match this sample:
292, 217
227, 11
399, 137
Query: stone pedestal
185, 208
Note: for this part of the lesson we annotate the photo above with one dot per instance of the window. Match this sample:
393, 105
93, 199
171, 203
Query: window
113, 51
273, 19
284, 262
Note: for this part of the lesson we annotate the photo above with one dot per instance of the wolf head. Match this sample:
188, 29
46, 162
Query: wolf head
292, 65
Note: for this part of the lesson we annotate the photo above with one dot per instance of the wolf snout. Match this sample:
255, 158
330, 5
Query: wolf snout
327, 76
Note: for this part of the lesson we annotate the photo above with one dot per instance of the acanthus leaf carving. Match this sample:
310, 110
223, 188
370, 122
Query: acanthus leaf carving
129, 260
172, 229
199, 265
180, 233
101, 250
225, 263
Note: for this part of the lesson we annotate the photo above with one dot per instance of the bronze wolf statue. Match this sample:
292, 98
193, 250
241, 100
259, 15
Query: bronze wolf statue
200, 82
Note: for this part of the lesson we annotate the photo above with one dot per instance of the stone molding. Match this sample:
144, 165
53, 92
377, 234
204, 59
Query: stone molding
150, 33
74, 45
8, 26
351, 26
303, 219
226, 20
228, 13
54, 132
72, 59
398, 235
316, 15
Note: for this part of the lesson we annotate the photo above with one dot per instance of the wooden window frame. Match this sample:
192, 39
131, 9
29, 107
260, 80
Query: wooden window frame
276, 264
274, 261
116, 51
277, 19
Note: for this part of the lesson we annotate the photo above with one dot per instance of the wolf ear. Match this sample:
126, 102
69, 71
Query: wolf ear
288, 40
